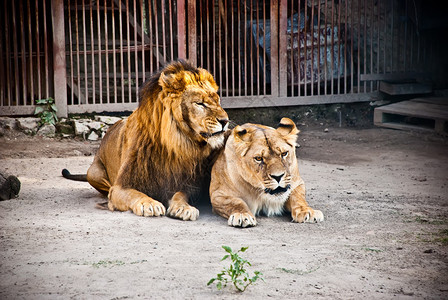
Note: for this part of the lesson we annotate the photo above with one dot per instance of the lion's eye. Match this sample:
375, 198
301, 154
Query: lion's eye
258, 159
201, 104
285, 154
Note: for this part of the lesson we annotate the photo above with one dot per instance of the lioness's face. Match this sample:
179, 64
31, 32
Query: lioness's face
202, 111
267, 157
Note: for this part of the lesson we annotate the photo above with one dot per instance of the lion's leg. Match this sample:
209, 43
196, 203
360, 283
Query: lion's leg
235, 210
299, 208
123, 199
179, 208
97, 177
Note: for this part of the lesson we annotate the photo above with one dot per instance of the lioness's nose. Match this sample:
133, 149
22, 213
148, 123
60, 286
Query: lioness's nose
277, 177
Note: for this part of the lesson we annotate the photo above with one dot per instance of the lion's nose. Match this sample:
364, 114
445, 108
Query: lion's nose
277, 177
223, 122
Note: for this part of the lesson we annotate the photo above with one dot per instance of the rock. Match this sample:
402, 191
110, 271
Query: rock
47, 130
65, 129
28, 125
81, 128
93, 136
108, 120
95, 125
8, 123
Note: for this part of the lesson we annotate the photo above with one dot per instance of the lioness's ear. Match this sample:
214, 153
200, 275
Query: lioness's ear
287, 128
172, 82
240, 134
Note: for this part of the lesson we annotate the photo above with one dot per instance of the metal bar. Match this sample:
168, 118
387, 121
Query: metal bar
326, 49
372, 25
232, 48
257, 44
92, 46
106, 36
151, 54
100, 63
162, 9
392, 38
192, 35
345, 46
59, 74
319, 32
299, 76
120, 22
359, 45
71, 52
264, 51
365, 43
226, 57
201, 36
84, 36
156, 28
245, 50
181, 30
16, 56
251, 50
274, 48
8, 61
170, 22
137, 84
128, 33
339, 48
405, 36
332, 47
30, 46
213, 39
23, 59
305, 56
114, 59
46, 52
240, 67
282, 53
3, 86
378, 9
385, 39
352, 30
219, 49
78, 68
312, 48
39, 86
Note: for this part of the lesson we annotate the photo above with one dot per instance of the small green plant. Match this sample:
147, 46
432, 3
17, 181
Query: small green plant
46, 111
236, 272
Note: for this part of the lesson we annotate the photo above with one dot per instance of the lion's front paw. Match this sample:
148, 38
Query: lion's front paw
148, 208
183, 211
307, 216
242, 220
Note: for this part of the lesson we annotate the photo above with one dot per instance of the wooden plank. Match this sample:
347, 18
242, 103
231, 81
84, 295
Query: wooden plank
274, 48
192, 35
404, 88
282, 52
60, 76
98, 108
416, 109
269, 101
181, 30
393, 76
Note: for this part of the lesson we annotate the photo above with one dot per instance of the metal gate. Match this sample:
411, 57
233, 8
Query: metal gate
92, 55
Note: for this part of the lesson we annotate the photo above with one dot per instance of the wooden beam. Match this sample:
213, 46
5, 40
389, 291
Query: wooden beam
59, 67
181, 30
192, 36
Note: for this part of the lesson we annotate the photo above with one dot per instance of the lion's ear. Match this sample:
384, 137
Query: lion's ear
240, 134
172, 82
205, 76
288, 129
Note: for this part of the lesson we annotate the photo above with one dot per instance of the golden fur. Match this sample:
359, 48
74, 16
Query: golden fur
156, 161
258, 173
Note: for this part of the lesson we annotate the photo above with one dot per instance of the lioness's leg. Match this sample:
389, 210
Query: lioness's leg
235, 210
179, 208
299, 208
125, 199
97, 177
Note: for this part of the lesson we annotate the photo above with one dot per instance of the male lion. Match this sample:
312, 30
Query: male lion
163, 149
258, 172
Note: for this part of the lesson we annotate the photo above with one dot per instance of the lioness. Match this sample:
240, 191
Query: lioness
258, 172
158, 157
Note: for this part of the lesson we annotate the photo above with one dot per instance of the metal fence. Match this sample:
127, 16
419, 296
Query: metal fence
91, 55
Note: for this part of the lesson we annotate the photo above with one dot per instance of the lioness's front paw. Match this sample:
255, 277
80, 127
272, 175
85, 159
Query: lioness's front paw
242, 220
148, 208
307, 216
184, 212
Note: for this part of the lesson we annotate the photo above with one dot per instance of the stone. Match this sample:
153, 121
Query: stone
8, 123
65, 129
108, 120
47, 130
80, 128
95, 125
93, 136
28, 125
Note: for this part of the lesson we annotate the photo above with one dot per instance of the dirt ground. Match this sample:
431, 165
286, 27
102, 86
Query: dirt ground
384, 195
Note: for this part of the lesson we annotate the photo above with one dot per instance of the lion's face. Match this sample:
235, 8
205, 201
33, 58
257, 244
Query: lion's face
195, 106
267, 157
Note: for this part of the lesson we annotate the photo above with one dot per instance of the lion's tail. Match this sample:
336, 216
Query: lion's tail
78, 177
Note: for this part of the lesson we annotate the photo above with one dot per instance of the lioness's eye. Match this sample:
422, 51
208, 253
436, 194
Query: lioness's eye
284, 154
258, 158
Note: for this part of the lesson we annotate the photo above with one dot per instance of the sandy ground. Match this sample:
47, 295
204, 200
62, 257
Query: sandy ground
384, 194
